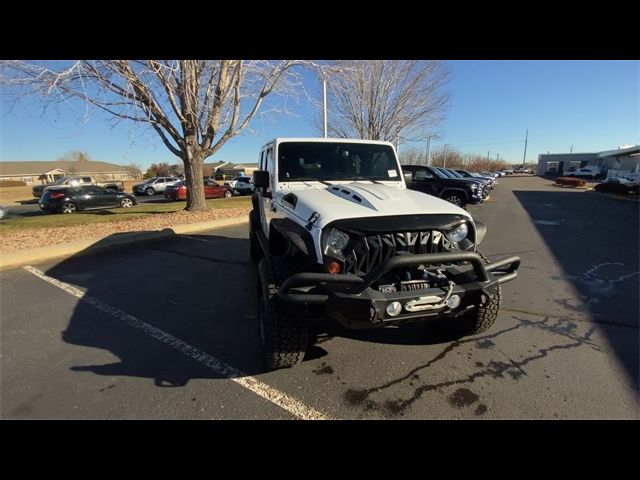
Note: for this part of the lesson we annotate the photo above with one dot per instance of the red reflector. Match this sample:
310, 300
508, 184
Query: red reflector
333, 267
56, 195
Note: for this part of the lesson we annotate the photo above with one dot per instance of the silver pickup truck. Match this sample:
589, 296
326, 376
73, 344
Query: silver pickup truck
77, 181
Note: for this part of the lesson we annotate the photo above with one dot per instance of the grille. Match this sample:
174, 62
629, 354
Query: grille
373, 250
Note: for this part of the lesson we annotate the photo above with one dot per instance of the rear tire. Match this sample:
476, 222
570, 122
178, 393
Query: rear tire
228, 194
284, 330
126, 203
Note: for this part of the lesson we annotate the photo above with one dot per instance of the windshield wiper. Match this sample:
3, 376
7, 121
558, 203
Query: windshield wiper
310, 179
364, 178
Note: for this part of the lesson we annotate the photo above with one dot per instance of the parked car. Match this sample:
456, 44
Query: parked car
592, 172
74, 199
466, 174
433, 182
244, 186
77, 181
232, 183
4, 212
507, 171
211, 190
154, 185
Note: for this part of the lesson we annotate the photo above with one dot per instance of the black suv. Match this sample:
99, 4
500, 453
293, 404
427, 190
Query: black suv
73, 199
433, 181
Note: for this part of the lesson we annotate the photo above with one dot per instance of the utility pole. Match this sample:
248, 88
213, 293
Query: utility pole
444, 160
324, 106
571, 151
429, 149
526, 139
488, 156
497, 157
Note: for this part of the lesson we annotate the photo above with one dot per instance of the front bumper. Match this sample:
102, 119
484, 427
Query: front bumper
356, 303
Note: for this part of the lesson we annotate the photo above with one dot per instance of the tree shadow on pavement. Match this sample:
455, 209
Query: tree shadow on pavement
595, 241
169, 310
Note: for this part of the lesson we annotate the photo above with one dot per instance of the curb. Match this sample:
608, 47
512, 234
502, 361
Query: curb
616, 197
100, 244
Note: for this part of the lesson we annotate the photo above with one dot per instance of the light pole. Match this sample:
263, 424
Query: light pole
429, 148
324, 106
444, 160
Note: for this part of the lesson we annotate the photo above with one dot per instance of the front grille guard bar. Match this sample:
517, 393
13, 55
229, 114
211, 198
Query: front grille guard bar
502, 271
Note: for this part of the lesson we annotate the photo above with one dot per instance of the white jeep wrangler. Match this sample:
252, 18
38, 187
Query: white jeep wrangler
337, 233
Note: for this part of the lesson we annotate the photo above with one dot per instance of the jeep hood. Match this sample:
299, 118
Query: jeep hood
360, 200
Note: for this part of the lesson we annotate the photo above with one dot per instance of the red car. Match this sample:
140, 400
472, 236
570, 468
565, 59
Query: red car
211, 190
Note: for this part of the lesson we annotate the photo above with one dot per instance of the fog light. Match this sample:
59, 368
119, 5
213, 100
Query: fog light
453, 301
394, 309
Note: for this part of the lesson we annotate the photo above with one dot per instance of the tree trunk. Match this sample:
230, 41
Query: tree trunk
195, 184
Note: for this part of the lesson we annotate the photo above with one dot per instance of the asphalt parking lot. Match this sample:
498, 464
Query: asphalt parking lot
168, 331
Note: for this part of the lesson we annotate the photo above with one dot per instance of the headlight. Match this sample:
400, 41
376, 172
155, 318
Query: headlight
474, 186
335, 241
459, 233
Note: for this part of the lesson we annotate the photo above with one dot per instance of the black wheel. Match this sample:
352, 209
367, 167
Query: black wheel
228, 194
255, 249
69, 207
481, 319
149, 192
126, 203
284, 331
455, 198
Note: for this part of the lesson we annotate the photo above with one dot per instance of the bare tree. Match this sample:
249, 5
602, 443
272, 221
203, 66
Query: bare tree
195, 106
135, 169
413, 156
77, 157
382, 99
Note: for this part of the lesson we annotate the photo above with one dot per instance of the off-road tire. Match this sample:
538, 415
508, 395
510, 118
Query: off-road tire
284, 330
255, 249
482, 318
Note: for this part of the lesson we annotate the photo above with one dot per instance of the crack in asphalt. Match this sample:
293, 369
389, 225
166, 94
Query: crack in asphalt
495, 369
612, 323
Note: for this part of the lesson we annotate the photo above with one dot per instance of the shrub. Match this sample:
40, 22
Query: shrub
571, 181
12, 183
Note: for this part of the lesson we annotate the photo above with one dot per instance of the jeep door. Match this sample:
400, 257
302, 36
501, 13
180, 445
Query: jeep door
265, 196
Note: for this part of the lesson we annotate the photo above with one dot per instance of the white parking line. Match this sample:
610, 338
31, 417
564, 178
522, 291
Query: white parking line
284, 401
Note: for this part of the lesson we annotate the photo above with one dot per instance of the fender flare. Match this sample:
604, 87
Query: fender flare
293, 234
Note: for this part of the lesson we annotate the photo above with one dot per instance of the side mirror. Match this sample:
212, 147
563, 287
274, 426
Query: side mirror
261, 178
408, 177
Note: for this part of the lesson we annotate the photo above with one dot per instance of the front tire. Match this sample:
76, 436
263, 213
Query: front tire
126, 203
149, 192
68, 207
255, 249
483, 317
228, 194
455, 198
284, 330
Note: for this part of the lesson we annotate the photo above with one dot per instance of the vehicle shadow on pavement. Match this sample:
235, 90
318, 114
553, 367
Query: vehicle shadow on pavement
167, 310
596, 243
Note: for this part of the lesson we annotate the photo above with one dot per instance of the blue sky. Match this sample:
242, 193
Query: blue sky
592, 105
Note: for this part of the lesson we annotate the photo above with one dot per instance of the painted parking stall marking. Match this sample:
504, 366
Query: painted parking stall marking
273, 395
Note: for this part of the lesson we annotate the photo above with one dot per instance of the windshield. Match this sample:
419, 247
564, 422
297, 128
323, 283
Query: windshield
60, 181
445, 173
151, 180
455, 174
300, 161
